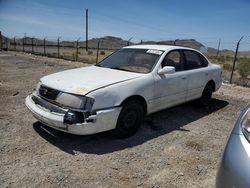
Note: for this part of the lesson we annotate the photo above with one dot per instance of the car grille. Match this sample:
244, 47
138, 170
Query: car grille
48, 93
47, 105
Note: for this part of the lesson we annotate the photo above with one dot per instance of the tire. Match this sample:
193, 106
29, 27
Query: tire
206, 96
129, 119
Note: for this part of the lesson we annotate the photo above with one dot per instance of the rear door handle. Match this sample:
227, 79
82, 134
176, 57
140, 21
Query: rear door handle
206, 73
183, 77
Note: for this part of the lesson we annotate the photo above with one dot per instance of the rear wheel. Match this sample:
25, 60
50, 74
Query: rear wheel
206, 97
129, 119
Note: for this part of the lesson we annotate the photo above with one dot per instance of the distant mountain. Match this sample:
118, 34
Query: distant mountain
192, 43
111, 42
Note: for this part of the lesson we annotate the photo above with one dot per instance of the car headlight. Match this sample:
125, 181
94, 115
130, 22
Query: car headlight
75, 101
37, 87
246, 125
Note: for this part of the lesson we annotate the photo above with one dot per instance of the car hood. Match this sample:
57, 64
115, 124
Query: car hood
83, 80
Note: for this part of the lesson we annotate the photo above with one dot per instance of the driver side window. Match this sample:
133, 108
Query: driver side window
173, 59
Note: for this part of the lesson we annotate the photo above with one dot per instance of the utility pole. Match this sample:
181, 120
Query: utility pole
218, 49
235, 57
86, 29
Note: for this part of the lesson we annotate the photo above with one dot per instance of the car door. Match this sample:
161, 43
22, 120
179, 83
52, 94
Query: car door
196, 70
171, 89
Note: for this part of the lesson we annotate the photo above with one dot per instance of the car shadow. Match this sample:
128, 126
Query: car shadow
154, 125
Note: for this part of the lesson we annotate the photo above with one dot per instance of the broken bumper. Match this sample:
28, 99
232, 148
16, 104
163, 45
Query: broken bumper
54, 116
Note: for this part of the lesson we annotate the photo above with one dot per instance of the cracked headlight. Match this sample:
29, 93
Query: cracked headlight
75, 101
37, 87
246, 125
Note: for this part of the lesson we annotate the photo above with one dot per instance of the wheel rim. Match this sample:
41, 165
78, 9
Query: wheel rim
129, 119
207, 94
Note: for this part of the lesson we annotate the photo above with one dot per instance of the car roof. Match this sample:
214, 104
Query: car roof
159, 47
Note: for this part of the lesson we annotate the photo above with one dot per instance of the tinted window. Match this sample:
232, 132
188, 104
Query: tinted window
173, 59
192, 60
204, 61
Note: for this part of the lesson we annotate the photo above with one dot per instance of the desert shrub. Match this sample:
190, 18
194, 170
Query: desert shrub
244, 69
87, 60
102, 53
221, 59
90, 52
229, 58
73, 54
227, 67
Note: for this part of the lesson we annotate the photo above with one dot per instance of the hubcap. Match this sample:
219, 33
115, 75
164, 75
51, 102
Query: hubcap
129, 119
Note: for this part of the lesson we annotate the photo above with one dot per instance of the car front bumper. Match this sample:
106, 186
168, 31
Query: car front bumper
53, 116
234, 169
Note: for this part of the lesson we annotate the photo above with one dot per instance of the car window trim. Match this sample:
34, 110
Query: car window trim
185, 61
181, 59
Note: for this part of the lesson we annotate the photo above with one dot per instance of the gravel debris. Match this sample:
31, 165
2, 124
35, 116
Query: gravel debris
184, 152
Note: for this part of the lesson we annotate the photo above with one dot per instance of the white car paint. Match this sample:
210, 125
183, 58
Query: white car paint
109, 88
82, 80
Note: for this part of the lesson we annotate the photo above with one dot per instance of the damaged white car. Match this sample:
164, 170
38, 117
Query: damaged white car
120, 90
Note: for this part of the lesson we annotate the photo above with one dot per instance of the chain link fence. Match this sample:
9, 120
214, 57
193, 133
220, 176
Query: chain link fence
100, 48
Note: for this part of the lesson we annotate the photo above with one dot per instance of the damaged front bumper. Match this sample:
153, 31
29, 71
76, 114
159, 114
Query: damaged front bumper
67, 121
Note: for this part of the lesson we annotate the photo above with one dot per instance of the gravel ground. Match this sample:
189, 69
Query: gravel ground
181, 148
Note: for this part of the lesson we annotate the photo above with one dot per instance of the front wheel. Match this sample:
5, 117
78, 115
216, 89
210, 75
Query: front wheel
129, 119
206, 97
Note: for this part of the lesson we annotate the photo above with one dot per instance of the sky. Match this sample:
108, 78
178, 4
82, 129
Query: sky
206, 21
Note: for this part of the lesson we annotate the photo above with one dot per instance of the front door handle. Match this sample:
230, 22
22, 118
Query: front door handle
183, 77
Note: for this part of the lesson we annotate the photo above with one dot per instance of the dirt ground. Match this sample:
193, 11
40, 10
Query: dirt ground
184, 150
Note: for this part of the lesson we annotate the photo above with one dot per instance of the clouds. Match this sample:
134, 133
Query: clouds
140, 19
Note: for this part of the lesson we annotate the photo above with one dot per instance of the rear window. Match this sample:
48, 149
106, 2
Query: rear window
194, 60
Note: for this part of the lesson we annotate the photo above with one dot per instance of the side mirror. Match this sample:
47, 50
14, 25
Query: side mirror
167, 70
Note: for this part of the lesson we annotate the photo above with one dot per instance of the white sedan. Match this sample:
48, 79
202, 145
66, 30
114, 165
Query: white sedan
120, 90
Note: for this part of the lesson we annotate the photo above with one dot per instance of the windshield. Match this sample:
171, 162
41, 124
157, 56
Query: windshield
132, 60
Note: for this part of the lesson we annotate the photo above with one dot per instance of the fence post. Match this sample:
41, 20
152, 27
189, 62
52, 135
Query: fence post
14, 43
141, 42
32, 45
218, 49
23, 44
97, 52
1, 41
58, 46
175, 41
235, 57
44, 47
77, 46
6, 43
128, 42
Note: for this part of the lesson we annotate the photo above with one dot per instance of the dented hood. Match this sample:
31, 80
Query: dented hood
84, 80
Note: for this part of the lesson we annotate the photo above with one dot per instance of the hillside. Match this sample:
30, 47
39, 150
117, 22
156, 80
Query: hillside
192, 43
111, 42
